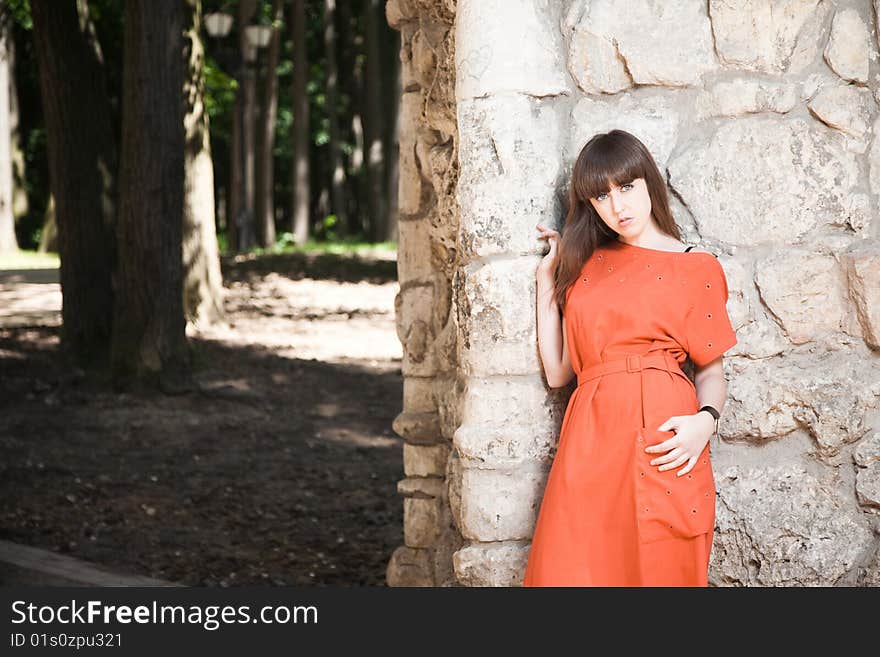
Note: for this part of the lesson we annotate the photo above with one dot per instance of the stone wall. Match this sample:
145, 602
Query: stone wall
427, 260
763, 114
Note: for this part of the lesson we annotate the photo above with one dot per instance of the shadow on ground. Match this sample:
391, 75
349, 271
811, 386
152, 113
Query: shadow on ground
277, 471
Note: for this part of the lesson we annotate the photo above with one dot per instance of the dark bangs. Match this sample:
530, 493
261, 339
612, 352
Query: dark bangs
608, 162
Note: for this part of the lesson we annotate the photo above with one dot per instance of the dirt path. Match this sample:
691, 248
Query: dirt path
283, 470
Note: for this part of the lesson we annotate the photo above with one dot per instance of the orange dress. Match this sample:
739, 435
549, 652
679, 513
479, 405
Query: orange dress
608, 517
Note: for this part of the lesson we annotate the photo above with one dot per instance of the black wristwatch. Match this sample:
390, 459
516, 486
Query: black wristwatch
715, 415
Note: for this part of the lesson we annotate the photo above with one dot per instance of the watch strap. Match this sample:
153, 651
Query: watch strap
713, 412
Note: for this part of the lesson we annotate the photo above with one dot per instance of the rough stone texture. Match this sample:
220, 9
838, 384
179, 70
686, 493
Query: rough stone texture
410, 567
660, 43
511, 155
650, 116
784, 525
844, 107
492, 564
867, 458
744, 96
863, 283
849, 45
874, 160
425, 460
494, 431
770, 36
797, 174
520, 52
758, 335
493, 503
804, 292
498, 333
763, 116
829, 395
595, 63
428, 228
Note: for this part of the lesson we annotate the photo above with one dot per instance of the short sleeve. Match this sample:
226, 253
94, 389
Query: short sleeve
708, 331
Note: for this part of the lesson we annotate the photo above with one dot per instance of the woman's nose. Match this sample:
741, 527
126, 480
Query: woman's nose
616, 203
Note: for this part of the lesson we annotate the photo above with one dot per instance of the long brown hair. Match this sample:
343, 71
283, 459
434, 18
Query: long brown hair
609, 158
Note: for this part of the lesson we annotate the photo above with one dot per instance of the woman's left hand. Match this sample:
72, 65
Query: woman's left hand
692, 432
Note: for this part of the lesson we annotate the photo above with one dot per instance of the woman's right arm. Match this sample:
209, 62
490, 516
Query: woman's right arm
552, 337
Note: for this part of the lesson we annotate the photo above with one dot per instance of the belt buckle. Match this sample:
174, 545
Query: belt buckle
633, 363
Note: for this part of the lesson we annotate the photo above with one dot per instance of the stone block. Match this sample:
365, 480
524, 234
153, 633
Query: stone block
499, 505
491, 564
521, 53
780, 178
425, 460
786, 525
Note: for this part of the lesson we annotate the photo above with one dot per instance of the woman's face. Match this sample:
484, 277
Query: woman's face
626, 209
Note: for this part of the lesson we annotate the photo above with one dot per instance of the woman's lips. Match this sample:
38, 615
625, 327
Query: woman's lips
625, 221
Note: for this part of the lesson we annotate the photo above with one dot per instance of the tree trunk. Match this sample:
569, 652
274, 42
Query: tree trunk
301, 133
203, 283
8, 243
350, 85
20, 204
82, 173
149, 338
265, 202
247, 237
374, 160
233, 208
238, 205
337, 171
392, 138
49, 234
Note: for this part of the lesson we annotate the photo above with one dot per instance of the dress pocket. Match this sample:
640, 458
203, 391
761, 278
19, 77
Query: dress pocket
668, 505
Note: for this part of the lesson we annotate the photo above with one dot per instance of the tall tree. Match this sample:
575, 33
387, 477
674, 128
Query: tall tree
337, 170
301, 135
265, 204
149, 336
374, 157
392, 132
245, 219
242, 141
82, 172
8, 242
203, 282
20, 202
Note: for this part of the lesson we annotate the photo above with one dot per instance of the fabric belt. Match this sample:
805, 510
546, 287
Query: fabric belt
631, 365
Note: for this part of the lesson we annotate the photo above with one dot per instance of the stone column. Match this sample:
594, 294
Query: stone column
427, 257
511, 98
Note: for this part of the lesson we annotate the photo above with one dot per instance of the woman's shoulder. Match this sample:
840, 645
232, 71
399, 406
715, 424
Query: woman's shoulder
696, 249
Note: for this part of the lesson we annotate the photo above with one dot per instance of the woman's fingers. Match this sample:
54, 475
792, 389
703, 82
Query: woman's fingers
671, 455
546, 232
688, 467
677, 462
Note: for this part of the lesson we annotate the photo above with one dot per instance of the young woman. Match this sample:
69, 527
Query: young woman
630, 499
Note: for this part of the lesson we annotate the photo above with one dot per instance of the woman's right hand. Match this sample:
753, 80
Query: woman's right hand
545, 267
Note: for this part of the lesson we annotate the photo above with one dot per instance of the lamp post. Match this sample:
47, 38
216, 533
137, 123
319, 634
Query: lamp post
218, 25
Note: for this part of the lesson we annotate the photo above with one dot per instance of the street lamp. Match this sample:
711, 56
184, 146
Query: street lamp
258, 36
218, 24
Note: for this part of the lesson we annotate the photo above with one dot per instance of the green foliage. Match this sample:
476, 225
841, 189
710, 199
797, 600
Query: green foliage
19, 11
220, 90
221, 86
285, 244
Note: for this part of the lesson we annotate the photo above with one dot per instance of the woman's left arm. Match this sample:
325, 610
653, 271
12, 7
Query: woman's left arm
692, 432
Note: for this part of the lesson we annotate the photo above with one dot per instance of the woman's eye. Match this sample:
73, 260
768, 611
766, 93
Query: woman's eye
627, 185
600, 197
